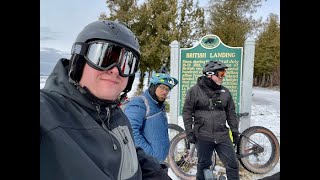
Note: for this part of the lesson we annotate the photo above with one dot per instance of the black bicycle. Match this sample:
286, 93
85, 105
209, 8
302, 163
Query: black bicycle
258, 152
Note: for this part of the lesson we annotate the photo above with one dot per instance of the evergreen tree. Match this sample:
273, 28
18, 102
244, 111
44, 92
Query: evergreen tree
189, 24
267, 55
232, 20
122, 10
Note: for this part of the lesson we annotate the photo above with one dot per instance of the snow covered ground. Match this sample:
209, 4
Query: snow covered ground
265, 111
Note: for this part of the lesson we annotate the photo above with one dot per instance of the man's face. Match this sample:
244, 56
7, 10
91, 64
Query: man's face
162, 92
105, 85
218, 77
217, 80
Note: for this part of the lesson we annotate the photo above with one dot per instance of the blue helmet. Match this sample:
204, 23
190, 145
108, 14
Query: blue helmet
162, 78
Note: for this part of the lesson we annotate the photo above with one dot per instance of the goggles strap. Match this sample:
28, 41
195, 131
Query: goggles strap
80, 48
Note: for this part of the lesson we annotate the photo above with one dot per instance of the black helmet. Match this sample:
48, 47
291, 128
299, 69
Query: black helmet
111, 31
213, 66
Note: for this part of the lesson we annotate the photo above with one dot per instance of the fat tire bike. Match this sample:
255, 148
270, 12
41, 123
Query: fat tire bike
258, 151
173, 130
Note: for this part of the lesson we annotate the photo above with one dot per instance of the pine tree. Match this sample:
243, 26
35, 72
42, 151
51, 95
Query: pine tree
267, 56
232, 20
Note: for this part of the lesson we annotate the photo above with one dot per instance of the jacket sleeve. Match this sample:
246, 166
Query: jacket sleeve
135, 111
187, 112
150, 167
232, 118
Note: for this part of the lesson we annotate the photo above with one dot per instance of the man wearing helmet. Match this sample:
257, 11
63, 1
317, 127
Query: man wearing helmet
83, 133
208, 107
149, 120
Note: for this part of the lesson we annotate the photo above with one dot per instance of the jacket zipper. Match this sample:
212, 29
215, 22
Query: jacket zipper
104, 126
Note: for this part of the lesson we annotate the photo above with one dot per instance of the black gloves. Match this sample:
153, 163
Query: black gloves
191, 138
150, 167
161, 174
236, 137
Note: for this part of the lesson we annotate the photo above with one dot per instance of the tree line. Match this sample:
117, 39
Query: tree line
157, 23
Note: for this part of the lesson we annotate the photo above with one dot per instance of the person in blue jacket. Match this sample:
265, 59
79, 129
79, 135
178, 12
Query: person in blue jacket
149, 119
84, 135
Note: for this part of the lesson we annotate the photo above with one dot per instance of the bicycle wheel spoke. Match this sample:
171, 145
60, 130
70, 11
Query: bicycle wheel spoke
259, 150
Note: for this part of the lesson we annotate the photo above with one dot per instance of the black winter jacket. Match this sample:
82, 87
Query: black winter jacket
203, 118
75, 144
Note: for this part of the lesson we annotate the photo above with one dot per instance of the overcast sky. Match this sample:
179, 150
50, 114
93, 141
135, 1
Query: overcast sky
62, 20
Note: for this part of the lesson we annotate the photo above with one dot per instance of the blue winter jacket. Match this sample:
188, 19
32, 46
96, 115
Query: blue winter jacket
150, 131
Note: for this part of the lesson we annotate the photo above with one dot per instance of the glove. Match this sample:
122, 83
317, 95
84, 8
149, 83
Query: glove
161, 174
164, 167
236, 137
191, 138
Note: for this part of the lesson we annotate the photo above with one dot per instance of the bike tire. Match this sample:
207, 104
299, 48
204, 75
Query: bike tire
176, 128
273, 148
173, 130
179, 170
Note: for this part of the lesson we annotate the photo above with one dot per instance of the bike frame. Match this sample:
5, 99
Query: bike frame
255, 149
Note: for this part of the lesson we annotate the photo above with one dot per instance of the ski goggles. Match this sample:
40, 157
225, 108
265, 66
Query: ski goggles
219, 73
105, 55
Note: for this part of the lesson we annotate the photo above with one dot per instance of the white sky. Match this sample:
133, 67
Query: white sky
62, 20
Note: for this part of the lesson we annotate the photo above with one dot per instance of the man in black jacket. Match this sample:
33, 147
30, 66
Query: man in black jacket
83, 133
208, 107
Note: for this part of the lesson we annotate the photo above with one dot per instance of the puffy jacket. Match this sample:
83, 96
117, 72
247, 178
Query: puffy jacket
209, 122
150, 131
76, 144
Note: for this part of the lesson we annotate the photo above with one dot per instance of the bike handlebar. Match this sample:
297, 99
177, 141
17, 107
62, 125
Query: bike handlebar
242, 114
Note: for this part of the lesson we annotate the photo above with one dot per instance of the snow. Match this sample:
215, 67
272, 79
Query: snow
265, 111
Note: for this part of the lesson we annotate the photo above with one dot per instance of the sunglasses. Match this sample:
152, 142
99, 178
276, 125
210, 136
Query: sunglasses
219, 73
105, 55
164, 88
